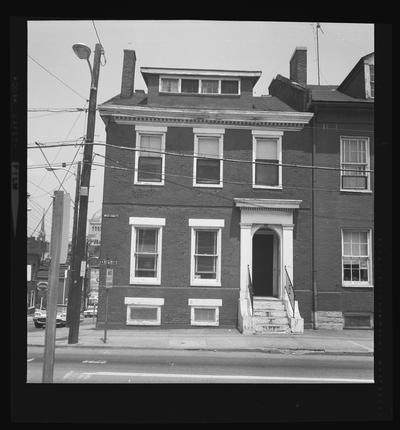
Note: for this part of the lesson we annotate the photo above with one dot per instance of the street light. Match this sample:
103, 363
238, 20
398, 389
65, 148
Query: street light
78, 246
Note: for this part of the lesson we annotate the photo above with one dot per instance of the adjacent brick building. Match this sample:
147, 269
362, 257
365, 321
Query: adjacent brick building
207, 204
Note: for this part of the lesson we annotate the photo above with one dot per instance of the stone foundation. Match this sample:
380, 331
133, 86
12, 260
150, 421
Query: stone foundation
329, 320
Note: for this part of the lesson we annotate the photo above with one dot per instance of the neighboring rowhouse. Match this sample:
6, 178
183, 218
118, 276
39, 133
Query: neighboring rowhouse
342, 136
35, 252
200, 208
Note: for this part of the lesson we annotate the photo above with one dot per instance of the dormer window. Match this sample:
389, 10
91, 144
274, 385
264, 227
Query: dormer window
199, 85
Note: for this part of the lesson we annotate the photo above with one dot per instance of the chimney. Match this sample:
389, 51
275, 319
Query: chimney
298, 66
128, 73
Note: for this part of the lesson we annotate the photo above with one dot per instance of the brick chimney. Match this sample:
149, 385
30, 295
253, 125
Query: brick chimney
128, 73
298, 66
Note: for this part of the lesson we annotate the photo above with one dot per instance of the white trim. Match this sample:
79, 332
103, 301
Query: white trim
249, 203
154, 301
151, 128
145, 221
200, 222
271, 134
201, 72
208, 130
130, 321
220, 137
155, 130
205, 302
204, 323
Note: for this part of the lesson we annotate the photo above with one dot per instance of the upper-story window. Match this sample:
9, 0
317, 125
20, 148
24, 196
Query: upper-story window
372, 80
355, 161
150, 160
207, 161
199, 85
267, 159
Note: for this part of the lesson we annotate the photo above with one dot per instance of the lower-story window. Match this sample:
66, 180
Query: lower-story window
143, 310
204, 312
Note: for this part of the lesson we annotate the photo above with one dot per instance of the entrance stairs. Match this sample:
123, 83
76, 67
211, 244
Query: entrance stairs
269, 316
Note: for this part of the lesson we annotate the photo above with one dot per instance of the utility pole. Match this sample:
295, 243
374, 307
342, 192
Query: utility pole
75, 293
318, 27
52, 292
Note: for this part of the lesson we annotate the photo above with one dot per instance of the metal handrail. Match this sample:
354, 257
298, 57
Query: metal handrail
290, 290
250, 286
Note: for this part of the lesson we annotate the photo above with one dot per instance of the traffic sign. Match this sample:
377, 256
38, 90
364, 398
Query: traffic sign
109, 278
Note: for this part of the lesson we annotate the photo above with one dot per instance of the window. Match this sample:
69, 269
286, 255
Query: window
149, 159
208, 172
354, 163
146, 250
267, 156
190, 86
206, 252
372, 80
209, 86
229, 87
356, 258
170, 85
32, 299
204, 312
143, 310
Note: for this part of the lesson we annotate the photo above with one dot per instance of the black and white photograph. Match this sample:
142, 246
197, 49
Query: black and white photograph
199, 204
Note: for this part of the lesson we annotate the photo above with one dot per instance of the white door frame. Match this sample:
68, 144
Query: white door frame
275, 214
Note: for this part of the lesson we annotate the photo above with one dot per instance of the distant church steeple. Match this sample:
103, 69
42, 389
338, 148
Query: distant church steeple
42, 232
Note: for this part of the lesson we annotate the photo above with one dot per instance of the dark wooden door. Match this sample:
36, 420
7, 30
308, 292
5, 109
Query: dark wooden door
263, 264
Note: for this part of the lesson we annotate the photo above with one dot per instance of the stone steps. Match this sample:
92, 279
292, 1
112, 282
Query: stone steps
269, 316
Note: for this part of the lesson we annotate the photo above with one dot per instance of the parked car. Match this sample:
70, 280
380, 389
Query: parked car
91, 311
39, 318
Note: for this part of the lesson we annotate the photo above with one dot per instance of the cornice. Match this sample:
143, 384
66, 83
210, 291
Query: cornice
270, 204
129, 115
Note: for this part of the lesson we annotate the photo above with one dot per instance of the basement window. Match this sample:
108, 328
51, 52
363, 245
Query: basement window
143, 310
204, 312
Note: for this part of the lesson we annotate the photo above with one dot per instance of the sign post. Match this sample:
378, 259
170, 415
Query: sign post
109, 284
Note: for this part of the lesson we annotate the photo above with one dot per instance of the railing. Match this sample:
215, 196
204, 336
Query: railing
250, 286
290, 291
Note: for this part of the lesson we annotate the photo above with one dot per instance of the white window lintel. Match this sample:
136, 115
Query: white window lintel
150, 128
205, 302
148, 301
145, 221
196, 222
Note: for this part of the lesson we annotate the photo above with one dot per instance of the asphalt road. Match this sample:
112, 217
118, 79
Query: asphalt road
85, 365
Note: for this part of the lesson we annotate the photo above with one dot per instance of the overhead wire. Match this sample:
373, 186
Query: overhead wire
98, 38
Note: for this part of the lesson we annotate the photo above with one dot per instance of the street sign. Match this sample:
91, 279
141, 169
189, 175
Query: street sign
108, 262
109, 278
83, 268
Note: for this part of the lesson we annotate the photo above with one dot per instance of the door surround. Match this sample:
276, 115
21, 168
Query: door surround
275, 214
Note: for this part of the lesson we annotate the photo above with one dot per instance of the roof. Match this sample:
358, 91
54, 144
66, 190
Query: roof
329, 93
260, 103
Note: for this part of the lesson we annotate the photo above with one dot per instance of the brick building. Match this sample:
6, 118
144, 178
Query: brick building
343, 136
207, 204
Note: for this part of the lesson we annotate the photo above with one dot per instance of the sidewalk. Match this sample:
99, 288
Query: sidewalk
335, 342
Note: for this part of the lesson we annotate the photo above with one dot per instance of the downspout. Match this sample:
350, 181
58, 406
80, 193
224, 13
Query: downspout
313, 264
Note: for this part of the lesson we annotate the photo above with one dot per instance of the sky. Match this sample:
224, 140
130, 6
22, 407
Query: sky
237, 45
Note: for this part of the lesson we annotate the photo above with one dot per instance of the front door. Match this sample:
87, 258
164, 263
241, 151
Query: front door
263, 251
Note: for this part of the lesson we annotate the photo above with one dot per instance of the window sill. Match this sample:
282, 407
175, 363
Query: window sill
143, 322
357, 285
205, 323
142, 281
268, 187
157, 184
207, 185
356, 191
204, 284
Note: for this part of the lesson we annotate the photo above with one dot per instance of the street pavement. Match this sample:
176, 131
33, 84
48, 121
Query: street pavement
334, 342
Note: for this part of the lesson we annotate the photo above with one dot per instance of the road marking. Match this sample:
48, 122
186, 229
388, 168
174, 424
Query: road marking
94, 361
30, 359
362, 346
68, 375
240, 377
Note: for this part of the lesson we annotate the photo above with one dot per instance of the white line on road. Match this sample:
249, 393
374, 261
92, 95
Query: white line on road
30, 359
362, 346
240, 377
94, 361
68, 375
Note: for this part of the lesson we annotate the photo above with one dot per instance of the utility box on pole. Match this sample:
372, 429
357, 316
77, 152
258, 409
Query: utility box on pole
52, 293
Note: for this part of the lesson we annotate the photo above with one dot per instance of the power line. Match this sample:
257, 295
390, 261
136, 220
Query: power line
58, 79
229, 160
98, 38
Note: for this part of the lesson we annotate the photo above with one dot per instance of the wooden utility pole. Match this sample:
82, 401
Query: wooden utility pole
75, 296
52, 291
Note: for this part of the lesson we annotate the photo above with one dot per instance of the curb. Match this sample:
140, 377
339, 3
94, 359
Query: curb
262, 350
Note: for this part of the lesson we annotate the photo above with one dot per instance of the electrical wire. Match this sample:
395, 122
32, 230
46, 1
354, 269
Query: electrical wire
98, 38
58, 79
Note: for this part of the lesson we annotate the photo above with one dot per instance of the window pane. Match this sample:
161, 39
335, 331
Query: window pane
189, 86
229, 87
206, 242
146, 240
169, 85
143, 313
146, 266
266, 149
203, 314
151, 143
355, 273
208, 147
347, 273
355, 249
267, 174
209, 87
354, 182
205, 267
150, 169
346, 249
364, 275
208, 171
